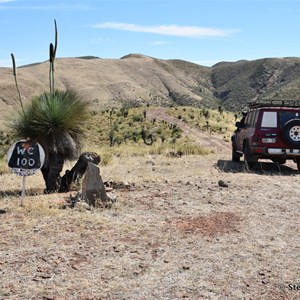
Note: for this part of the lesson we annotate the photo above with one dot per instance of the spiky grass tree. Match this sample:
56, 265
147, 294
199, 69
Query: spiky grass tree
54, 120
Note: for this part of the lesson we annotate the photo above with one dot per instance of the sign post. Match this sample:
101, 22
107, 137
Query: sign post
25, 157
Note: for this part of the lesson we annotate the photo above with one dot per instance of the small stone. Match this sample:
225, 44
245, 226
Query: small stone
222, 183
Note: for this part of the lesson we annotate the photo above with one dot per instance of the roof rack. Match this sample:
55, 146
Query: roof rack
275, 103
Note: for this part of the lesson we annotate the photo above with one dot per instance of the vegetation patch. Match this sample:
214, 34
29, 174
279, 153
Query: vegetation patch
216, 121
129, 132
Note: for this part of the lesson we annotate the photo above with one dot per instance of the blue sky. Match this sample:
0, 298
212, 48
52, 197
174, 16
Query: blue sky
200, 31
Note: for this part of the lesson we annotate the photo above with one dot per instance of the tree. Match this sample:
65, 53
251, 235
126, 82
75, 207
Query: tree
54, 120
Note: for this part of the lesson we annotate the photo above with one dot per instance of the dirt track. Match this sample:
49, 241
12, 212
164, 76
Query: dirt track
204, 138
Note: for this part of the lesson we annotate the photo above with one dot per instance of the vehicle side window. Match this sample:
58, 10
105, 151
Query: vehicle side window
269, 119
248, 119
254, 120
251, 119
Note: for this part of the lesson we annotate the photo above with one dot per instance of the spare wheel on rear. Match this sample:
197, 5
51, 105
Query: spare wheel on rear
291, 133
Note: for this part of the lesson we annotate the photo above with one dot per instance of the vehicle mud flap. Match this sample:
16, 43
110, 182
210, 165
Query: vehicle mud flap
236, 157
249, 159
297, 161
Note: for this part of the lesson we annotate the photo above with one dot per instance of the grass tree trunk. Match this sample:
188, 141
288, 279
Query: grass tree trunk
78, 170
51, 172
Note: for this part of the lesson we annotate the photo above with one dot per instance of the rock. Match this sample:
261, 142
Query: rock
222, 183
112, 198
93, 189
109, 185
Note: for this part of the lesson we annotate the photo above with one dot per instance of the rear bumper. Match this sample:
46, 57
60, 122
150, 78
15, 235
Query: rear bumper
278, 151
269, 152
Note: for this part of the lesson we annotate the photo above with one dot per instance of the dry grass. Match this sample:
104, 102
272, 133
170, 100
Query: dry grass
176, 234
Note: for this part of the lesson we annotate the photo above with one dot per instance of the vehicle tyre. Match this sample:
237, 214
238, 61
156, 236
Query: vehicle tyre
250, 160
291, 133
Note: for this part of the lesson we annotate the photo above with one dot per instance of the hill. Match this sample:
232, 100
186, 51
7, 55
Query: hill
140, 79
268, 78
109, 82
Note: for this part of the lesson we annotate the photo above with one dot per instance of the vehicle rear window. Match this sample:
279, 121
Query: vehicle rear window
286, 116
269, 119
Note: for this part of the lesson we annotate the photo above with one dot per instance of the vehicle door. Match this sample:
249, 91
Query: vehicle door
242, 132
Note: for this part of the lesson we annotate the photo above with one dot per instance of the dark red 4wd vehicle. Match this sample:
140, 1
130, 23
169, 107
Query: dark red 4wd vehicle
268, 131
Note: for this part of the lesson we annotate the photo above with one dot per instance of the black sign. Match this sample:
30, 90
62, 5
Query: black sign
25, 156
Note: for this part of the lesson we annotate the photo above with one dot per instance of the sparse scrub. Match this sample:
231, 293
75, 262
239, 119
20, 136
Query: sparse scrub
110, 129
139, 136
132, 129
215, 120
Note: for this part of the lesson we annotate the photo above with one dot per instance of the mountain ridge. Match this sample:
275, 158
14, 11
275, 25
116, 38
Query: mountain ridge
139, 80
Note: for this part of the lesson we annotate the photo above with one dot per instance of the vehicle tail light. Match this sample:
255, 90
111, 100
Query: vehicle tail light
259, 150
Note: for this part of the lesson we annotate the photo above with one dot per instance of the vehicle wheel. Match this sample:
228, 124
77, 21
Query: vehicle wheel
250, 160
291, 132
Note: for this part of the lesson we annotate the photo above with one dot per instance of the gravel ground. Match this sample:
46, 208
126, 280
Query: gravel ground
182, 228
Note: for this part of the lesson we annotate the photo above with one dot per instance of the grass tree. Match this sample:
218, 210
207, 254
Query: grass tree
54, 120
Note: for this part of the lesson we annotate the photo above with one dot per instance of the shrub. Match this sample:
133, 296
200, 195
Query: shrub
137, 118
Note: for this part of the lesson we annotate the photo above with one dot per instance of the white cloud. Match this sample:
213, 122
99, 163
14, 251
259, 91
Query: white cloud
4, 1
173, 30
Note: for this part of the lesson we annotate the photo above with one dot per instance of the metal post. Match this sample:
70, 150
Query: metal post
23, 191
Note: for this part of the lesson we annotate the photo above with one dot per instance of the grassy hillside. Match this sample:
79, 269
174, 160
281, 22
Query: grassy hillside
143, 80
129, 132
237, 83
107, 83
